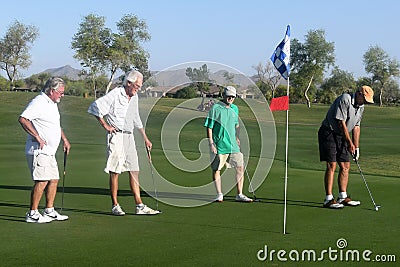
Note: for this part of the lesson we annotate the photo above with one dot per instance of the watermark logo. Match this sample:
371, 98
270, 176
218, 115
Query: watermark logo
339, 253
173, 122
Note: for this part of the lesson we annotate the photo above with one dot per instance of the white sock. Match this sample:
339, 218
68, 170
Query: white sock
328, 197
140, 205
48, 210
342, 194
33, 212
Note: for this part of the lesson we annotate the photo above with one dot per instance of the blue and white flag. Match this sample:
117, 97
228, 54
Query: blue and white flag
281, 56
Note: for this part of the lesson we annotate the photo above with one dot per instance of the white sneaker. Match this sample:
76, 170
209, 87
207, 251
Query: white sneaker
117, 210
144, 210
36, 218
348, 202
220, 197
54, 215
243, 198
332, 204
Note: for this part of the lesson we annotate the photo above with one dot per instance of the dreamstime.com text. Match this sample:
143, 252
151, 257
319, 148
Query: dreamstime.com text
338, 253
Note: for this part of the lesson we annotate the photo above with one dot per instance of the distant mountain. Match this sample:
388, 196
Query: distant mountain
178, 77
239, 79
64, 71
163, 78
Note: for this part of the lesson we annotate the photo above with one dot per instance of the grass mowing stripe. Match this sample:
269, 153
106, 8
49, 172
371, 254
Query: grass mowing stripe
225, 234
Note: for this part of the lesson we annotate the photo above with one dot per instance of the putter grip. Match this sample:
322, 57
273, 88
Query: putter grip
148, 153
65, 159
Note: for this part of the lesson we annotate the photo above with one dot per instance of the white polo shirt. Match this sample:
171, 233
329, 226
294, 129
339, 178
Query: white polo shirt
45, 117
119, 111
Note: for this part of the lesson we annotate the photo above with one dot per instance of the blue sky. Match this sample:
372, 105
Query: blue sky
239, 34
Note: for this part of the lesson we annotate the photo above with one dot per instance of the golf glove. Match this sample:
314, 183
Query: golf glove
357, 153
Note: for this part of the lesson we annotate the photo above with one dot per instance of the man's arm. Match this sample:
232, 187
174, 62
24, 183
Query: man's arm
67, 145
356, 140
350, 145
30, 129
211, 141
356, 136
237, 134
105, 125
147, 142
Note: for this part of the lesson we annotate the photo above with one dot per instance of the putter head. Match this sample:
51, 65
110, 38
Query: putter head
377, 207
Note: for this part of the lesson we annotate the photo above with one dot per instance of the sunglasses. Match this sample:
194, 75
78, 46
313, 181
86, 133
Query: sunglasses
60, 92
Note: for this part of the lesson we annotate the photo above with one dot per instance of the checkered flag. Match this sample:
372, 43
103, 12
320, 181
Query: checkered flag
281, 56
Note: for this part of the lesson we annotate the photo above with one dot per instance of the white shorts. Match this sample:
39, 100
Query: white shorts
121, 153
43, 167
219, 160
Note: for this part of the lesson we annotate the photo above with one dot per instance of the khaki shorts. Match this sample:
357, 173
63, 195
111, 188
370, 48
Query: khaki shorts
43, 167
121, 153
219, 160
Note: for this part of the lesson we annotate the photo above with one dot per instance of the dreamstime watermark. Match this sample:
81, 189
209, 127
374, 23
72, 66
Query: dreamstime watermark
339, 253
259, 152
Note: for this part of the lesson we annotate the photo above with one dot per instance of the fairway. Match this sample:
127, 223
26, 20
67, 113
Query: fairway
216, 234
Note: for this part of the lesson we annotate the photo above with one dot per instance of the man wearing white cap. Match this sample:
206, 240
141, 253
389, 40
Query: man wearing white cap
118, 113
222, 125
335, 143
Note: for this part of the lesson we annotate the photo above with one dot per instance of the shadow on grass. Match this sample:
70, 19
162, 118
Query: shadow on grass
26, 206
122, 193
161, 195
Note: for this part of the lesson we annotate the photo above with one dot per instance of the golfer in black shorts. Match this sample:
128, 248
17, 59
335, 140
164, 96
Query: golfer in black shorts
336, 145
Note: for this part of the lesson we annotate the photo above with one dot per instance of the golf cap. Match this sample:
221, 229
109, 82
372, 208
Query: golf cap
368, 93
230, 91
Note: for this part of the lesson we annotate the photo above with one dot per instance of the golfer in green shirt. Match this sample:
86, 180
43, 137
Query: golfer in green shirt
222, 125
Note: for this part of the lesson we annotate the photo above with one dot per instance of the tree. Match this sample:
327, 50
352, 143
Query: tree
269, 76
43, 77
229, 78
99, 49
309, 61
339, 82
37, 81
125, 51
391, 95
4, 84
14, 49
200, 77
32, 82
91, 43
382, 68
187, 92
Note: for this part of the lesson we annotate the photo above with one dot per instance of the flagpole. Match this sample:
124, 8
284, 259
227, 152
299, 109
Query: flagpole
281, 60
286, 161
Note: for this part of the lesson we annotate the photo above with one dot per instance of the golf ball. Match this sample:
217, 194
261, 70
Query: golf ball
376, 208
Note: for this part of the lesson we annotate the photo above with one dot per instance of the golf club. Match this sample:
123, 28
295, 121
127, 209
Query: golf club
365, 182
152, 175
63, 183
251, 187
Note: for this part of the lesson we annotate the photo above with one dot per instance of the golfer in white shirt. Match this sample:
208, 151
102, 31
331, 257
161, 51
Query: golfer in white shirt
41, 120
118, 113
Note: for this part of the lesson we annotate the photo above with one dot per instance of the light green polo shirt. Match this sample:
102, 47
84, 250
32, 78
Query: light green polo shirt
223, 122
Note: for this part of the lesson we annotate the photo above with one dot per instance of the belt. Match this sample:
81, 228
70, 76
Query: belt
124, 132
330, 130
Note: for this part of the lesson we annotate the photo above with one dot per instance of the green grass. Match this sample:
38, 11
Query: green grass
217, 234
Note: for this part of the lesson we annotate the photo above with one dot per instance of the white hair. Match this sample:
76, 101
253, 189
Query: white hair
132, 76
53, 84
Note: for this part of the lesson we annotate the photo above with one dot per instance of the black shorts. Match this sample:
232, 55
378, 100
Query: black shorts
332, 147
